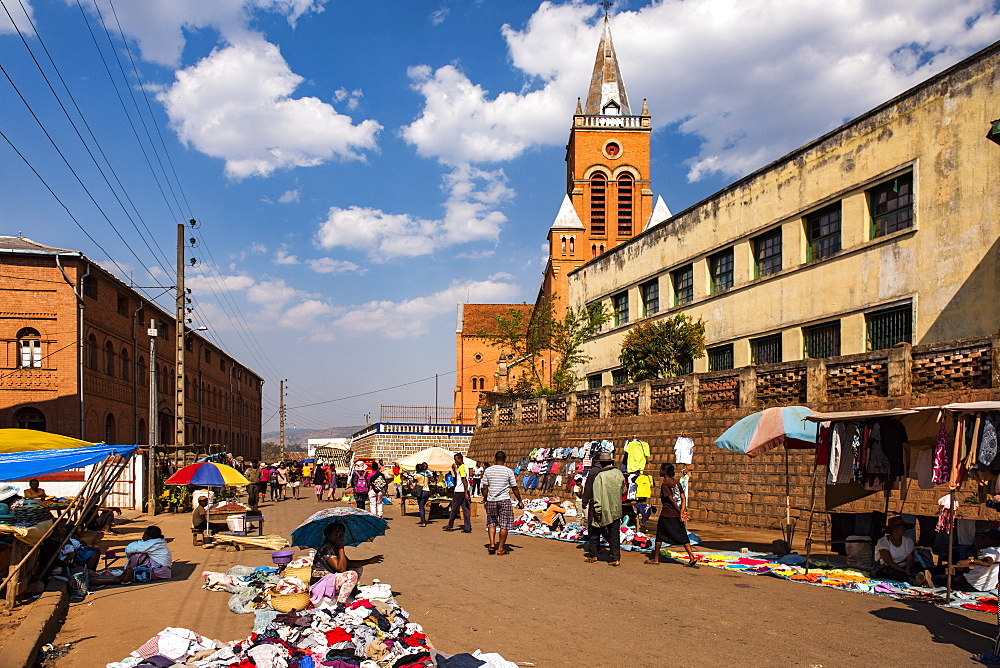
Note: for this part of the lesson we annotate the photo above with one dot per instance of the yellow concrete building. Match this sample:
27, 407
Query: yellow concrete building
881, 231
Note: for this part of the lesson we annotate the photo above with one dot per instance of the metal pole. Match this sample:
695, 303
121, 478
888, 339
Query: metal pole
153, 426
281, 417
435, 398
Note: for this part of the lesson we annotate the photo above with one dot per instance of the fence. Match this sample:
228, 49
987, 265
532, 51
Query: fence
966, 364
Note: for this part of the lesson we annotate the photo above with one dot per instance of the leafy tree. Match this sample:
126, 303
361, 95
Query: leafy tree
659, 349
270, 451
524, 339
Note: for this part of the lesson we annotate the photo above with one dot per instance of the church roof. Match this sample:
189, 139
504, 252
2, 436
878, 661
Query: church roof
567, 218
606, 84
482, 318
660, 213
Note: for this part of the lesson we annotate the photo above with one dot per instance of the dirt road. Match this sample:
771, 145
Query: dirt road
543, 604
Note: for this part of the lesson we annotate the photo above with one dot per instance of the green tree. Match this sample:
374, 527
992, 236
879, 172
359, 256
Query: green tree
524, 339
659, 349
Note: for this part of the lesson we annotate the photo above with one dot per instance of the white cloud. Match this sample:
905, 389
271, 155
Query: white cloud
236, 104
439, 15
326, 265
470, 214
282, 256
304, 314
412, 317
289, 197
749, 80
23, 18
159, 27
353, 97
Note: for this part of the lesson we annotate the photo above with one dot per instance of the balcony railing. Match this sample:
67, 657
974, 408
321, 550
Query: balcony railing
611, 121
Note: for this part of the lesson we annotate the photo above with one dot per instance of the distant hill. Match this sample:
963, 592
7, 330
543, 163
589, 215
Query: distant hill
295, 439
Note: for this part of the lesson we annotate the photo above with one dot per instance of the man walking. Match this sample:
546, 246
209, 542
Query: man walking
498, 483
604, 497
253, 489
460, 499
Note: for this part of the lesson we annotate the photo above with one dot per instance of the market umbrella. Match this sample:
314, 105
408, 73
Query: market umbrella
767, 429
438, 459
208, 474
359, 526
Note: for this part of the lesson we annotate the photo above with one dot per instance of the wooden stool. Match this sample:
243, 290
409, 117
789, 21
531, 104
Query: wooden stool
197, 536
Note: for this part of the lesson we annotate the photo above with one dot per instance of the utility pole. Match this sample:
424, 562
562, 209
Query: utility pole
181, 311
153, 413
281, 415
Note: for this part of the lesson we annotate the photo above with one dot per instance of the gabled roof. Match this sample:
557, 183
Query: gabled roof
479, 318
567, 218
20, 243
606, 84
660, 213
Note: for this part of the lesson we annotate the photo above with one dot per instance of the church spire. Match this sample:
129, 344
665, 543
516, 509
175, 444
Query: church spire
607, 88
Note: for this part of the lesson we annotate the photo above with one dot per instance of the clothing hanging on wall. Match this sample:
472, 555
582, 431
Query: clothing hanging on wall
683, 450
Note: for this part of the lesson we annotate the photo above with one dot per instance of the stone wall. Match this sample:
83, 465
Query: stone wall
731, 488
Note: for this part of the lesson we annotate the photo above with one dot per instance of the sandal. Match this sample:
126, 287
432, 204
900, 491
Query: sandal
651, 562
502, 553
590, 560
614, 564
492, 549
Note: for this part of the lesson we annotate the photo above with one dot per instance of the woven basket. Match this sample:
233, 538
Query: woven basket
290, 602
304, 574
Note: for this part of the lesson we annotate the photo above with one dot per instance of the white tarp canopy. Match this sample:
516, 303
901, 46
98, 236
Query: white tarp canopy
437, 459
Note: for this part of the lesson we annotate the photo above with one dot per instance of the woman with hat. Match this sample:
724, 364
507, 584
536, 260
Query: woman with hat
894, 553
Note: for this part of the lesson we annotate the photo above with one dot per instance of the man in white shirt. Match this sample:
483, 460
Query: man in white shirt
984, 568
498, 483
460, 499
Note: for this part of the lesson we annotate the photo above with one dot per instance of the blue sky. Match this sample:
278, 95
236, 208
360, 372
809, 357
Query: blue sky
358, 168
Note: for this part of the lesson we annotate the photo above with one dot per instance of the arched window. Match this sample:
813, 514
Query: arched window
626, 187
601, 248
109, 359
110, 435
92, 352
30, 418
593, 250
29, 345
598, 202
126, 365
572, 245
563, 246
475, 383
140, 369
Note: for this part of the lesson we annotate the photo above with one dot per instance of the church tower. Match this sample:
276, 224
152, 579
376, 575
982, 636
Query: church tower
608, 197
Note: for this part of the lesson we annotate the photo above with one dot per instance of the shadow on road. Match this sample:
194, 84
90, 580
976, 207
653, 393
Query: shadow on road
946, 626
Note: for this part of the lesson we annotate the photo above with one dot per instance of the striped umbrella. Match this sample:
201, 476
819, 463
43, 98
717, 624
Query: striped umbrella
208, 474
767, 429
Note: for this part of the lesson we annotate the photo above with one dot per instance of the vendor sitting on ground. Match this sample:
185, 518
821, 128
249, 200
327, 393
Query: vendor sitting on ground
149, 552
984, 568
34, 491
102, 519
334, 575
894, 553
553, 515
199, 518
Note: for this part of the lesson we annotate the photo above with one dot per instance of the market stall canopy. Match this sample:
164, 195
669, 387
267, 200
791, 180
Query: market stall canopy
921, 422
24, 465
29, 440
437, 459
767, 429
208, 474
974, 406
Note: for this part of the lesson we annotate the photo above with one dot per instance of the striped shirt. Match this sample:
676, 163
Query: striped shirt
498, 480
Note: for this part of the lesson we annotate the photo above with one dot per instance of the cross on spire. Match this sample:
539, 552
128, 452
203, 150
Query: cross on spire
607, 4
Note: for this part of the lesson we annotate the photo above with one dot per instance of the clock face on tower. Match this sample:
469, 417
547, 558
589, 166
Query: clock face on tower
612, 149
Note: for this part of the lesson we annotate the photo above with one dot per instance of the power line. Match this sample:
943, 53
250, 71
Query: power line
364, 394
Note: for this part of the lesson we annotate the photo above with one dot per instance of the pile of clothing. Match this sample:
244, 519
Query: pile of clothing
791, 567
366, 633
249, 586
528, 524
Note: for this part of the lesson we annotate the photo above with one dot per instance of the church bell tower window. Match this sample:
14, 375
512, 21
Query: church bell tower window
625, 191
598, 203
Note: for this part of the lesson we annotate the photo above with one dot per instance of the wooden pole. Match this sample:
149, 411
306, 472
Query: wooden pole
812, 510
788, 503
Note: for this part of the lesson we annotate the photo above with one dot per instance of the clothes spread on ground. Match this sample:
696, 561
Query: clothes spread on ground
363, 633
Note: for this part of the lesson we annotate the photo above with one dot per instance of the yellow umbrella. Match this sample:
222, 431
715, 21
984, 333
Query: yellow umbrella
25, 440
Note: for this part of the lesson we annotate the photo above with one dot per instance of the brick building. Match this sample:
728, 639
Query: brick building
76, 359
389, 441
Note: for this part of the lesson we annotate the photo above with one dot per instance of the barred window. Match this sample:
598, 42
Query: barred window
650, 297
598, 203
625, 190
823, 232
619, 377
620, 304
767, 253
594, 381
687, 366
889, 326
720, 266
683, 285
29, 343
720, 358
891, 205
765, 350
822, 340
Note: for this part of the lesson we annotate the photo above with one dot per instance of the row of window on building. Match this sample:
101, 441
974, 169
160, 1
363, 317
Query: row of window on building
890, 207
